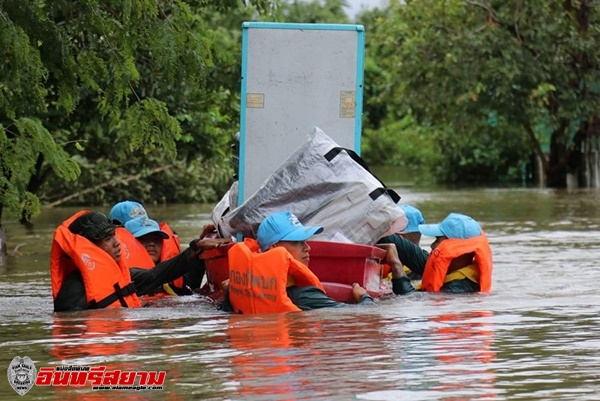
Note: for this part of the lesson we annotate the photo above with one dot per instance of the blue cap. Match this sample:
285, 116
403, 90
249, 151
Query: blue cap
127, 210
455, 225
283, 226
414, 217
141, 226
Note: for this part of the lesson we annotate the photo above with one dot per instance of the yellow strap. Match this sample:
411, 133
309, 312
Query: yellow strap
168, 289
471, 272
389, 276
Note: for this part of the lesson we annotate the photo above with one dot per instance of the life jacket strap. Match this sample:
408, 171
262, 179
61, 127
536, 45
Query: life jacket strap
172, 289
119, 294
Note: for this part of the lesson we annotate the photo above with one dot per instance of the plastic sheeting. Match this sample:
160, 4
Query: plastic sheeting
223, 207
323, 185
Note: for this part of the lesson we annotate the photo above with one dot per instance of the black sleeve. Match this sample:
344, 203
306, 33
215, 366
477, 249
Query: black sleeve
193, 278
463, 286
366, 299
402, 286
411, 255
147, 280
307, 298
71, 295
225, 305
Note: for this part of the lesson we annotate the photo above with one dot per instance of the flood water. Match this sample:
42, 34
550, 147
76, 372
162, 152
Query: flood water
536, 336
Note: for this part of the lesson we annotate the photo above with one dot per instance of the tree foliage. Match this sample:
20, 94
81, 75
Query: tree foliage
316, 11
485, 75
101, 90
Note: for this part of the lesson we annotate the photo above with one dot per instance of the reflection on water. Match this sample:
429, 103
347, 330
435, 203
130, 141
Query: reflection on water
534, 337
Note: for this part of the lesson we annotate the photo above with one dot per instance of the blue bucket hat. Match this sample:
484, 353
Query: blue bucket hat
414, 217
127, 210
141, 226
455, 225
283, 226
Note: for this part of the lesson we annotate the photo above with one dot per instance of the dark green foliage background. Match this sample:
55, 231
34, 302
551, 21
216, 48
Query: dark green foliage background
113, 99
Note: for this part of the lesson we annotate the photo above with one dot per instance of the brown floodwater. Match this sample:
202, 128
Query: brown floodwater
536, 336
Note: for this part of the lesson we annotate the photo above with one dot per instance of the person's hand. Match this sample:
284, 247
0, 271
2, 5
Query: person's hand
392, 259
225, 285
391, 255
204, 244
358, 291
207, 230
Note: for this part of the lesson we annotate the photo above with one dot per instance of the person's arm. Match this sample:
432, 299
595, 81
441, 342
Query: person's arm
72, 294
401, 284
225, 304
413, 256
308, 298
147, 280
361, 296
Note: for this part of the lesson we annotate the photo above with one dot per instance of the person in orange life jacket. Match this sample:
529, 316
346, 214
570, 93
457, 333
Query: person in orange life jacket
284, 230
100, 231
128, 210
149, 235
460, 260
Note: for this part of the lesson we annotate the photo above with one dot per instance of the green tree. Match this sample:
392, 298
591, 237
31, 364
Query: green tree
85, 85
316, 11
486, 75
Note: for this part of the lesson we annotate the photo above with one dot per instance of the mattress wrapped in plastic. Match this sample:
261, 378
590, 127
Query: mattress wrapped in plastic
323, 185
223, 207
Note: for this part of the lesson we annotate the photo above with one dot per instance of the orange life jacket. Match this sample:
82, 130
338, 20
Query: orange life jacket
258, 281
136, 255
171, 247
132, 250
440, 258
107, 284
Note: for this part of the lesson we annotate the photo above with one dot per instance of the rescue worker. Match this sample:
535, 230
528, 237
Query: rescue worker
153, 240
89, 267
460, 260
272, 275
128, 210
149, 234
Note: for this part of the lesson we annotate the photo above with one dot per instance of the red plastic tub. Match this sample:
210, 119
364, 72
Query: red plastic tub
338, 265
217, 270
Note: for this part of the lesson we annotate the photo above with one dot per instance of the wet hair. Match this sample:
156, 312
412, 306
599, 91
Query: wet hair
93, 226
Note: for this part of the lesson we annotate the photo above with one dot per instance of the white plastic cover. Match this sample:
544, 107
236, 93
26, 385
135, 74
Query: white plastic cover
322, 185
223, 207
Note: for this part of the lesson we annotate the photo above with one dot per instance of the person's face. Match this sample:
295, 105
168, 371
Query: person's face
437, 242
153, 244
111, 245
299, 250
